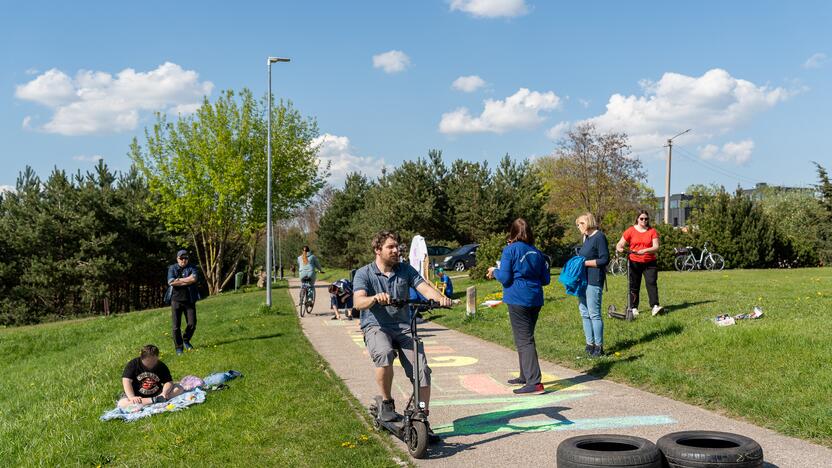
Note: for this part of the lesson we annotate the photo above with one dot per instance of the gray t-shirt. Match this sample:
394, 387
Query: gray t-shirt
370, 279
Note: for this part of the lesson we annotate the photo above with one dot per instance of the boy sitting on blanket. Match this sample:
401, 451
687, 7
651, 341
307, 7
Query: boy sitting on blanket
147, 380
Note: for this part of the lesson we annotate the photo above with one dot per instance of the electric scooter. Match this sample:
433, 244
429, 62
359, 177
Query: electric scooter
612, 312
412, 425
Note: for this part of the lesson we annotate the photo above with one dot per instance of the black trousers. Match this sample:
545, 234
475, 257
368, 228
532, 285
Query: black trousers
650, 271
177, 309
523, 321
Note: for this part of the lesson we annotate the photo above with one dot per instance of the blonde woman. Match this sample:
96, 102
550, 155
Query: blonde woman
596, 254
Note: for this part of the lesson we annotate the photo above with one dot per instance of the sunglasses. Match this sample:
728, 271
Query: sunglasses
643, 219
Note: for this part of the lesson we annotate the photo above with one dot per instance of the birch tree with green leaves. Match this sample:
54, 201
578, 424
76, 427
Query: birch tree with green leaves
207, 172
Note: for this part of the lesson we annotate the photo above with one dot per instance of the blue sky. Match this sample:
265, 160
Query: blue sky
78, 81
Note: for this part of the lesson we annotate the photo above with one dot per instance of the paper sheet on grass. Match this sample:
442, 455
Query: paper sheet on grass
491, 304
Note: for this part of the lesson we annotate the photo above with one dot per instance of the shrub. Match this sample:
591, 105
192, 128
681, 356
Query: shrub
488, 253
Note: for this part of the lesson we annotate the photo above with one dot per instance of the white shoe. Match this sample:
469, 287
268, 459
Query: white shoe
657, 309
635, 312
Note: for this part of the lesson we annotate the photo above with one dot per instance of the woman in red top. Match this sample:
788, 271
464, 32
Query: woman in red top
644, 243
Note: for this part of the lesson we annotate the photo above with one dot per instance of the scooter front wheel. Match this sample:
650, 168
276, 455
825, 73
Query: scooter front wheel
417, 443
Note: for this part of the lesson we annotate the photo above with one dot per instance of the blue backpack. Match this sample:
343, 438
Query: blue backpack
573, 276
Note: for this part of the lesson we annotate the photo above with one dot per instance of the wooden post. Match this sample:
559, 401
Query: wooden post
471, 304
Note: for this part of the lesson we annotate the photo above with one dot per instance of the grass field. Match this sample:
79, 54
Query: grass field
286, 411
775, 372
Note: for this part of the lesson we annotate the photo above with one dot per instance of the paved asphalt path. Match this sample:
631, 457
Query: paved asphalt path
484, 424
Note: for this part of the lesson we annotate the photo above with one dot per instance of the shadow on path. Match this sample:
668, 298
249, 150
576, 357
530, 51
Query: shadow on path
492, 422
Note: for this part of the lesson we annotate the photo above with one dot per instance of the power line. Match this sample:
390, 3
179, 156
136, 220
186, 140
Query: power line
713, 167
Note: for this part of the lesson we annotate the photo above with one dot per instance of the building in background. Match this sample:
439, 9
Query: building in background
681, 204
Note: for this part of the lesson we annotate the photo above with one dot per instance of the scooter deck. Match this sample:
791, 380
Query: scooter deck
396, 427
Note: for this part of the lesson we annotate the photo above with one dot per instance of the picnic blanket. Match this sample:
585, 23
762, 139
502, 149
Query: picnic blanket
134, 412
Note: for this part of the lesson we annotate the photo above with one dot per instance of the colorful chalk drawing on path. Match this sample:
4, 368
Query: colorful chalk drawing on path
514, 417
517, 413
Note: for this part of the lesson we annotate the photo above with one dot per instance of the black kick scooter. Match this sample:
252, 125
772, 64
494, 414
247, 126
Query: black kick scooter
411, 426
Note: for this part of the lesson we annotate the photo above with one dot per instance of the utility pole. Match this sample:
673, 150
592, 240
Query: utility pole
269, 232
667, 177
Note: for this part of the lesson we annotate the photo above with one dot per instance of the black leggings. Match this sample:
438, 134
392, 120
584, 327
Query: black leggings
651, 279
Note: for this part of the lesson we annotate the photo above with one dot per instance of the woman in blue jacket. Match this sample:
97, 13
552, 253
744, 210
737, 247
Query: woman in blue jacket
523, 271
596, 255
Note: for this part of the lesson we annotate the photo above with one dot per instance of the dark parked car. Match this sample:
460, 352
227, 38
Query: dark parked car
461, 259
437, 253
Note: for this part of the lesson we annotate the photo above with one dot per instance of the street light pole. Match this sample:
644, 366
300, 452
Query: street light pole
667, 177
269, 63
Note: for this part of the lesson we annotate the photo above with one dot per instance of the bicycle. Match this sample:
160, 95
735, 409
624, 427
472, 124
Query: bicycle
687, 261
618, 265
306, 300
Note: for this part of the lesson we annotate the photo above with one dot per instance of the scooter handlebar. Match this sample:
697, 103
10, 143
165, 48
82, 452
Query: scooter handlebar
430, 304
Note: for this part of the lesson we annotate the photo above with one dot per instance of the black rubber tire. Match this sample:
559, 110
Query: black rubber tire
418, 444
459, 266
595, 450
710, 449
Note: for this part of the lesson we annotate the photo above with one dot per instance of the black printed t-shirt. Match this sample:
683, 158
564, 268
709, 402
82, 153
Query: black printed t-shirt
147, 383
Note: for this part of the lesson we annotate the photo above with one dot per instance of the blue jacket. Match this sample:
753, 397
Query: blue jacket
449, 286
523, 272
573, 276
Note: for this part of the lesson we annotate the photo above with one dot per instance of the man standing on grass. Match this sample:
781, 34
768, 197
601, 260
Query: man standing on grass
182, 279
386, 328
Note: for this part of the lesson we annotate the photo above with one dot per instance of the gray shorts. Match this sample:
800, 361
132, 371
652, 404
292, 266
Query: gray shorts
384, 343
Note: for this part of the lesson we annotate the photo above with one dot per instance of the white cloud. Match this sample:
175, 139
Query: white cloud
32, 71
6, 188
52, 89
522, 110
817, 60
558, 130
712, 104
491, 8
93, 158
392, 61
336, 151
584, 103
27, 122
468, 84
736, 152
98, 102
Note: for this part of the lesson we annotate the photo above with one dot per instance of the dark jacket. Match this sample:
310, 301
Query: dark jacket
174, 272
595, 248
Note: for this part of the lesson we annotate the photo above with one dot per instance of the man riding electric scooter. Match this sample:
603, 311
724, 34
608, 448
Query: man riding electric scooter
380, 291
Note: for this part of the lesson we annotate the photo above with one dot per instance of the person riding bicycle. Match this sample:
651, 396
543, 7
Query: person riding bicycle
308, 264
385, 326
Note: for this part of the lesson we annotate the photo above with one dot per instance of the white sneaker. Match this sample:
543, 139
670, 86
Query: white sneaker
635, 312
657, 309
